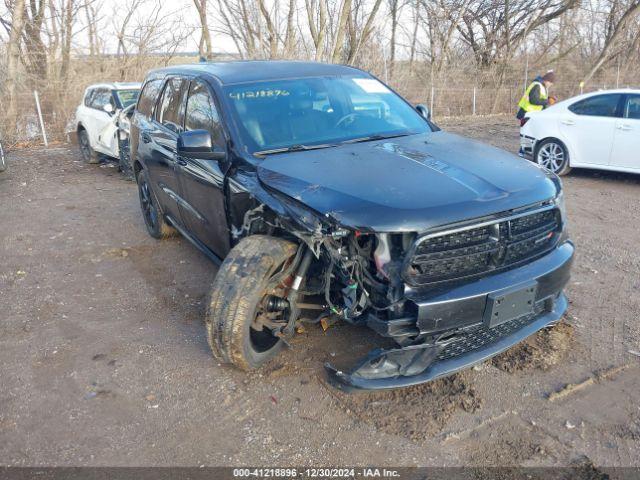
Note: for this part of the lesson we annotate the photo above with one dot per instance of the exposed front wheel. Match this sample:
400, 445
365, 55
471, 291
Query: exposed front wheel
248, 301
89, 155
553, 155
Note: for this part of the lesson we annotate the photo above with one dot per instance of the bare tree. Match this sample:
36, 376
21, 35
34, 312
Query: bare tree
338, 46
618, 22
13, 57
492, 27
317, 24
205, 48
35, 52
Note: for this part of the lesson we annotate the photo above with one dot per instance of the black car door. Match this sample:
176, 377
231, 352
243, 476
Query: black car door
202, 181
161, 141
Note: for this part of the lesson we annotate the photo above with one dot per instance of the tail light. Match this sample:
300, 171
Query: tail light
523, 121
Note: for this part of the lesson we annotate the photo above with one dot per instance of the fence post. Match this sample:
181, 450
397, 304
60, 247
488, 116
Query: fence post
474, 100
431, 101
44, 133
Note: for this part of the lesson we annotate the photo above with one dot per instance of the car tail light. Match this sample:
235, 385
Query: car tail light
523, 121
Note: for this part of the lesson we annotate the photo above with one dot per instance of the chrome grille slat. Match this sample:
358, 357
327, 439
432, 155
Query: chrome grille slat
478, 249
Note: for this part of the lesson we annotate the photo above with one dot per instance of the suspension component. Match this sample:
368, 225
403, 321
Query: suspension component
276, 304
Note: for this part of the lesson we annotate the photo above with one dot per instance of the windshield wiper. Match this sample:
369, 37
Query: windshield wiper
372, 138
294, 148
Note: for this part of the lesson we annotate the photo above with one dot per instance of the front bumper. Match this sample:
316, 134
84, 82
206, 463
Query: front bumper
527, 146
460, 309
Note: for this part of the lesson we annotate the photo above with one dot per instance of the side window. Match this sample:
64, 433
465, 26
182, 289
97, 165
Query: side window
202, 113
632, 108
100, 98
598, 106
148, 97
87, 98
170, 110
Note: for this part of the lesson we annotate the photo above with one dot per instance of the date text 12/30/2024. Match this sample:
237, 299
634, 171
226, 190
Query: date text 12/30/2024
319, 473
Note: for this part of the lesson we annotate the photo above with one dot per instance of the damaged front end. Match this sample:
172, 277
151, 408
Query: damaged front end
449, 299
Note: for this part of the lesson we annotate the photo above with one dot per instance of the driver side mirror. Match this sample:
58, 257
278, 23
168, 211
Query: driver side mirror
108, 108
424, 111
198, 144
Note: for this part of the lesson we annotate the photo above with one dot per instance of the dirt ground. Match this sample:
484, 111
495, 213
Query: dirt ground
104, 361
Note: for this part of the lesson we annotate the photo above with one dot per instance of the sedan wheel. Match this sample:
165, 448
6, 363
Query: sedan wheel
552, 155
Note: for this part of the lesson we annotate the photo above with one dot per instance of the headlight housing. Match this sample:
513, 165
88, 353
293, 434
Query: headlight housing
560, 204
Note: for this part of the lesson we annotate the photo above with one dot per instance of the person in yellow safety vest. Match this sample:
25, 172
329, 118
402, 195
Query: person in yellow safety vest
536, 97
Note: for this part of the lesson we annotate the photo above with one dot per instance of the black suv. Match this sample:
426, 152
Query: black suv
327, 194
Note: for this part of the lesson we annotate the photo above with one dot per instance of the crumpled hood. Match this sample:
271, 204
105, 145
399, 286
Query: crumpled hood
407, 184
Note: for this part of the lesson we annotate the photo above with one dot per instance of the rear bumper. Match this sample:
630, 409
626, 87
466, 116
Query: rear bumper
460, 309
527, 146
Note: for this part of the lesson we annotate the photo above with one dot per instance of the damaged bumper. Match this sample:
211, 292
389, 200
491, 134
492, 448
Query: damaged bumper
527, 146
480, 319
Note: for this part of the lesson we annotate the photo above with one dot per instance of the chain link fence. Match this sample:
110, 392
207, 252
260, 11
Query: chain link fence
47, 117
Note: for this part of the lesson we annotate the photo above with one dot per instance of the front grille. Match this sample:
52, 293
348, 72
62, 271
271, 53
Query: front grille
478, 250
484, 336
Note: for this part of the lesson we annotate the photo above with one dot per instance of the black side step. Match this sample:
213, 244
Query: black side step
196, 243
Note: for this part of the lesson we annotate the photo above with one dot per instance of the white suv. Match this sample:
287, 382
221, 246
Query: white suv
97, 118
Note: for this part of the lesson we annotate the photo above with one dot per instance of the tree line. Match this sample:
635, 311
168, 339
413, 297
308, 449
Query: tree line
50, 44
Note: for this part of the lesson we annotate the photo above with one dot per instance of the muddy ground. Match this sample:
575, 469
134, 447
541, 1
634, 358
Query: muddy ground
104, 361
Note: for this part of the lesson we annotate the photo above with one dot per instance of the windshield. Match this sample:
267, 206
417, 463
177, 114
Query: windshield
318, 111
127, 97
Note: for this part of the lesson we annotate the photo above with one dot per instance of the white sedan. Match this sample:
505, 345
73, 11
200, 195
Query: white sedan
596, 130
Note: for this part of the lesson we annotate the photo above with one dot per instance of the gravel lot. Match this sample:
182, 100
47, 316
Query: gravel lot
104, 361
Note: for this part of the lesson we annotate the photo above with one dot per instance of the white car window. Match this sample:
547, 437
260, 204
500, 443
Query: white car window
632, 108
87, 98
100, 98
598, 106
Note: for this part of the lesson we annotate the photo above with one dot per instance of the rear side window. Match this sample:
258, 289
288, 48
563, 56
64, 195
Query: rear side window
598, 106
87, 98
632, 107
148, 97
202, 113
100, 98
170, 111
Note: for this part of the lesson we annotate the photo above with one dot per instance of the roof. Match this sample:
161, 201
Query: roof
571, 100
259, 70
116, 85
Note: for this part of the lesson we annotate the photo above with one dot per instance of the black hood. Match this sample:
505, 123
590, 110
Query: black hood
411, 183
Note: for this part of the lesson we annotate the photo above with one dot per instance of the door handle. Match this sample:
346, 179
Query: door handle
625, 127
146, 138
568, 122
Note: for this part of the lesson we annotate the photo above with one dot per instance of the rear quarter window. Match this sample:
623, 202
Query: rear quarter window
598, 106
632, 108
87, 98
148, 97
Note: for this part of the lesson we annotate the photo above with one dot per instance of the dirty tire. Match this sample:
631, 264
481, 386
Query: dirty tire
89, 155
553, 155
237, 291
153, 218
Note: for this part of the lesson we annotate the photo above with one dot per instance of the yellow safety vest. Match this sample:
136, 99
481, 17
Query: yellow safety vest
524, 102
